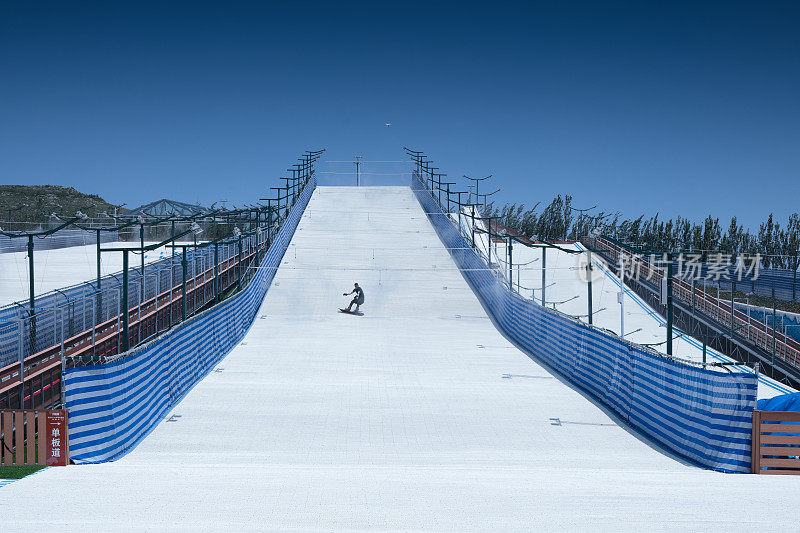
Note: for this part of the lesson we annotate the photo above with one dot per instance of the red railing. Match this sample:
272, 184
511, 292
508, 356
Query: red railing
42, 370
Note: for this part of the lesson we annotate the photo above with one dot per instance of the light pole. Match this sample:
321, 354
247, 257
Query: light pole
120, 206
358, 167
476, 183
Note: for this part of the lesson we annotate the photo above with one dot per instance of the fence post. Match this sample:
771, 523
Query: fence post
63, 369
21, 354
31, 298
669, 304
141, 244
774, 323
510, 263
124, 305
755, 443
488, 240
171, 297
139, 309
544, 273
733, 305
239, 282
119, 315
705, 343
472, 216
158, 286
216, 272
94, 343
184, 266
589, 279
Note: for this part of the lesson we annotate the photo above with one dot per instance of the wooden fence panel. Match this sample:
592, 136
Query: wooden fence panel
776, 443
24, 436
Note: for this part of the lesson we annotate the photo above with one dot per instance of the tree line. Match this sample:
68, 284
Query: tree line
778, 245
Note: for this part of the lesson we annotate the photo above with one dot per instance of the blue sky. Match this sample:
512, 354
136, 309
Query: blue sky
682, 108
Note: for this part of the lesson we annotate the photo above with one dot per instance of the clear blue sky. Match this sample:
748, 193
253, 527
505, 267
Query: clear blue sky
679, 107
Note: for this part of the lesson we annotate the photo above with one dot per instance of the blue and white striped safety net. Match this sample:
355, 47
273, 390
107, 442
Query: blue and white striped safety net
115, 405
702, 415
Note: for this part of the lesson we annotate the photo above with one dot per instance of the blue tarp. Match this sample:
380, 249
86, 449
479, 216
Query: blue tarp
783, 402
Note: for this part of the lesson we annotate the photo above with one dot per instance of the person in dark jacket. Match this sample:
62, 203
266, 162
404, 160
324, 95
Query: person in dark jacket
358, 300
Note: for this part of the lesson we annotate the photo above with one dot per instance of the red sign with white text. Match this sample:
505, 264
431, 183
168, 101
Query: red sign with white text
56, 435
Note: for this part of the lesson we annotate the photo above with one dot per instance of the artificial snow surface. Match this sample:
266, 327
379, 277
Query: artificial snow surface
417, 416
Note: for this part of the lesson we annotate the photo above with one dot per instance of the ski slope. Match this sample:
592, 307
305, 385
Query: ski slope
63, 267
417, 416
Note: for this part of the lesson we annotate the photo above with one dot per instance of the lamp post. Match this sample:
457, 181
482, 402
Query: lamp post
120, 206
358, 170
476, 183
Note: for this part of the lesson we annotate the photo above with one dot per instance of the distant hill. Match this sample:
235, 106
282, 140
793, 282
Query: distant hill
41, 200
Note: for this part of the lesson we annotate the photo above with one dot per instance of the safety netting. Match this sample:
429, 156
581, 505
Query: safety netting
699, 414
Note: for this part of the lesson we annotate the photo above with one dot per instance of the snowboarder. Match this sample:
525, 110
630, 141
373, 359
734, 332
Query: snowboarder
358, 300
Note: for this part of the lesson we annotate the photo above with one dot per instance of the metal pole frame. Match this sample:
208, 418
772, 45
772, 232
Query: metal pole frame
544, 275
589, 280
216, 272
31, 296
669, 304
184, 267
125, 337
99, 282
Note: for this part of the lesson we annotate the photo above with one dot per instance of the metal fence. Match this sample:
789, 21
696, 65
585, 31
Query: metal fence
82, 325
745, 324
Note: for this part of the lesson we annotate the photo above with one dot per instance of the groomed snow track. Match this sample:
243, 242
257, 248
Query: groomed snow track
417, 416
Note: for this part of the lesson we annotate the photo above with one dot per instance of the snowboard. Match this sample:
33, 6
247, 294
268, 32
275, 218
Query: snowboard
345, 311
